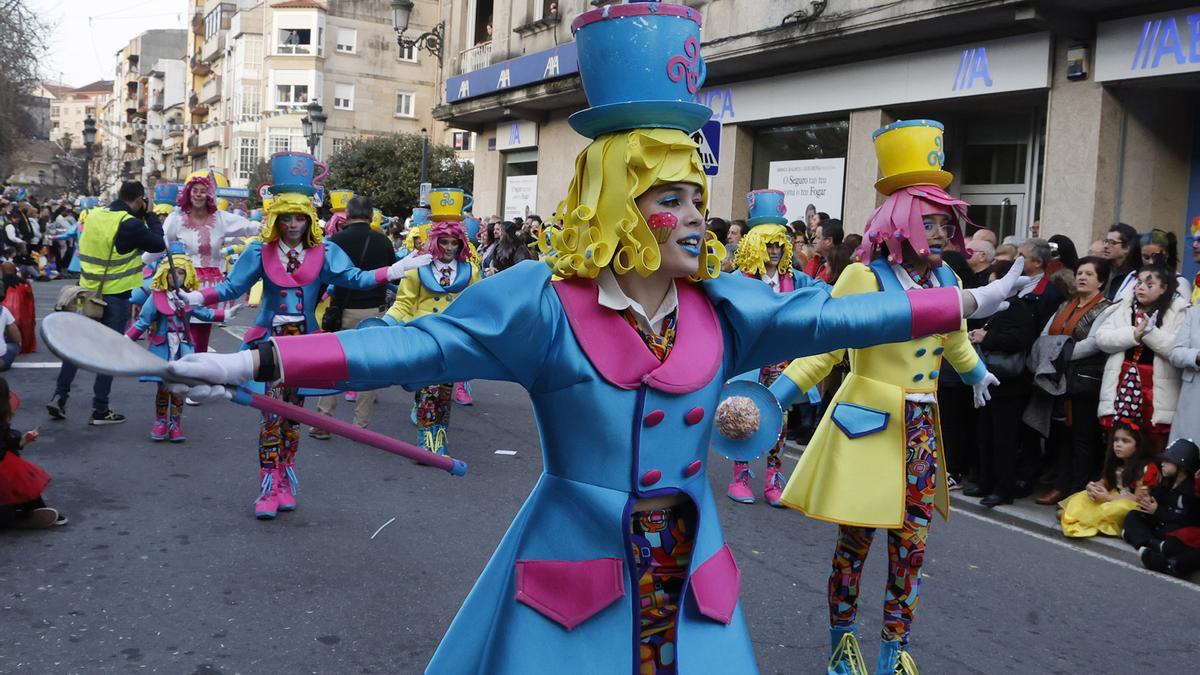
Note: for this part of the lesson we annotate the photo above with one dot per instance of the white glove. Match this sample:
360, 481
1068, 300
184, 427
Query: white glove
192, 298
982, 395
213, 368
980, 303
234, 311
401, 267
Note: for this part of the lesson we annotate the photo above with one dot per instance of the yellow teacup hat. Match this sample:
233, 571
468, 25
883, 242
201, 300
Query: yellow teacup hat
910, 152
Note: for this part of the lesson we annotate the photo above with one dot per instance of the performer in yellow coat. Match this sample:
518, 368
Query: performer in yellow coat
875, 459
430, 290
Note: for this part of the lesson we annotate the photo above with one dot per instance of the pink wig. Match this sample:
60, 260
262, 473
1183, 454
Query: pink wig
335, 223
184, 200
902, 218
448, 228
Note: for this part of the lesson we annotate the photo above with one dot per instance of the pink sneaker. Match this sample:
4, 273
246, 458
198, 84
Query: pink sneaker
158, 432
773, 487
266, 506
739, 487
286, 485
352, 396
462, 394
175, 432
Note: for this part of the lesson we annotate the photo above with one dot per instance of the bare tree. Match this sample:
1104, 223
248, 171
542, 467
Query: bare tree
19, 76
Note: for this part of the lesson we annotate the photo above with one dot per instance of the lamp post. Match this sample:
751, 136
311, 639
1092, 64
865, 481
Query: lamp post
89, 140
314, 126
430, 40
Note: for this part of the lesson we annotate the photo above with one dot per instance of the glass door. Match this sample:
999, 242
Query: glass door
1002, 213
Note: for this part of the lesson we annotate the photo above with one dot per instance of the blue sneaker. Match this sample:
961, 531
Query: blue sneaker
894, 659
846, 658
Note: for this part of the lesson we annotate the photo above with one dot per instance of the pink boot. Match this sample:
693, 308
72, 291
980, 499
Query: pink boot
158, 432
352, 396
175, 432
266, 506
286, 485
739, 487
773, 488
462, 394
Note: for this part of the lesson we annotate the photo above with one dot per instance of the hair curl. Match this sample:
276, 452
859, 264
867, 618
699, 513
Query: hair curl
602, 224
751, 256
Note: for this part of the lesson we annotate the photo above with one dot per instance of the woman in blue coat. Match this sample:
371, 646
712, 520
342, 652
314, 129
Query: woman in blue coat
294, 263
616, 562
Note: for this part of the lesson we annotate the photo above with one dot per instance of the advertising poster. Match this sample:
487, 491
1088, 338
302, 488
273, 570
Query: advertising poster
818, 182
520, 196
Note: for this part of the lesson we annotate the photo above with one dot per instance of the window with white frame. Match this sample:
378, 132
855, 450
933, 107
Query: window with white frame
251, 103
287, 95
212, 23
247, 157
340, 144
408, 53
251, 53
294, 88
294, 41
406, 104
347, 40
461, 140
343, 96
285, 139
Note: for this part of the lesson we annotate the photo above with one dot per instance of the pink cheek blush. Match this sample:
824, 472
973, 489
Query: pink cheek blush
661, 225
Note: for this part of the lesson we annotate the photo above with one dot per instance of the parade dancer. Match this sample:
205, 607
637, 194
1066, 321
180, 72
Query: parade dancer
617, 559
294, 264
765, 253
876, 459
430, 290
167, 319
204, 230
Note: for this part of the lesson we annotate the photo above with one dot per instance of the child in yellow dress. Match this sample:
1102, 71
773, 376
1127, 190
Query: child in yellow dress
1129, 470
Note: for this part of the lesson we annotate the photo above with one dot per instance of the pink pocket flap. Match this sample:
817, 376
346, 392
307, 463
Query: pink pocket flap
569, 592
715, 585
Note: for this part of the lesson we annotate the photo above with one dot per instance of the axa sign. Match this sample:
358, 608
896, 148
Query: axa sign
1167, 39
973, 68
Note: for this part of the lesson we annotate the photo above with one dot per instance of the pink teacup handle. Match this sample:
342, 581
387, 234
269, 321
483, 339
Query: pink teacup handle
324, 172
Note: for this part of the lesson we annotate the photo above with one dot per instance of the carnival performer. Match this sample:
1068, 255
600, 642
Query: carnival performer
338, 199
637, 334
430, 290
876, 459
166, 316
765, 253
204, 230
294, 264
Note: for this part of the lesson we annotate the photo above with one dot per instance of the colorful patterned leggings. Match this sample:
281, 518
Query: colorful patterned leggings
167, 406
279, 438
662, 550
433, 405
767, 377
906, 545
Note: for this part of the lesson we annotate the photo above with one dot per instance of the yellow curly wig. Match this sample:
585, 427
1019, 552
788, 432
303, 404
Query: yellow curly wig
182, 262
289, 202
751, 256
602, 225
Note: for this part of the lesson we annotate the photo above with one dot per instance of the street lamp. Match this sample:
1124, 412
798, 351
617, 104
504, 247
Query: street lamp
424, 199
89, 139
430, 40
314, 126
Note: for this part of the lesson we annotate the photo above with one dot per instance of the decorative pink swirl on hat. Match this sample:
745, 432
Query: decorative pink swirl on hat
679, 67
448, 228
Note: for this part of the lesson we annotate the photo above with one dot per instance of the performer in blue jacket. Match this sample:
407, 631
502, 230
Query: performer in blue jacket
616, 562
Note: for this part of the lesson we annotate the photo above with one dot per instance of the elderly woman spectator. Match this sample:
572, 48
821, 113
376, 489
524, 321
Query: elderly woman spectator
1075, 442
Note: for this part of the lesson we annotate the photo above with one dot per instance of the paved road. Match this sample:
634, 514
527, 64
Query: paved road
163, 567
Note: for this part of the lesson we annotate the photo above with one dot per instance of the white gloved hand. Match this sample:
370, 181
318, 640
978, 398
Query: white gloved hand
192, 298
980, 303
412, 262
213, 369
982, 395
234, 311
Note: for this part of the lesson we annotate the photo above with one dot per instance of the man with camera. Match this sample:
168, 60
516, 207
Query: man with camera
110, 257
368, 249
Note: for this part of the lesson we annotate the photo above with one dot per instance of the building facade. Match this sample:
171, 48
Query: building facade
1046, 119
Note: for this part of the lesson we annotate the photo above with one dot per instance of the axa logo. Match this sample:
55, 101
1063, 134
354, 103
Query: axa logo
1161, 39
973, 67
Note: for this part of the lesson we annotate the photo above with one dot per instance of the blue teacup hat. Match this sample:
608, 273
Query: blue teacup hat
766, 207
641, 68
296, 172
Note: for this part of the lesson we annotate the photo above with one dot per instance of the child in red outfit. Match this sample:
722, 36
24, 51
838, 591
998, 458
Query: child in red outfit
21, 481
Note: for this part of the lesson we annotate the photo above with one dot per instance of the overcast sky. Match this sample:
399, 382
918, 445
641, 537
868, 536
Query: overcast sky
85, 35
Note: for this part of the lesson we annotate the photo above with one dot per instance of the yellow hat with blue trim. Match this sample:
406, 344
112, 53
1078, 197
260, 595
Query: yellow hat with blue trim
338, 199
910, 152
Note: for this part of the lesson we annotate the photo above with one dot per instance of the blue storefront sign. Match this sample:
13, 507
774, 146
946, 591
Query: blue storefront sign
1148, 46
522, 71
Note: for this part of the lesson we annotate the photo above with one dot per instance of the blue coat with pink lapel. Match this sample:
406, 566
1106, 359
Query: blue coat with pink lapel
296, 293
158, 318
615, 425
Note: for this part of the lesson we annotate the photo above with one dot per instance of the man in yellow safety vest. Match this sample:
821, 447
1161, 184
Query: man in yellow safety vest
110, 250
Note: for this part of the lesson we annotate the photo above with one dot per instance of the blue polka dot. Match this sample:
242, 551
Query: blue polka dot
918, 377
921, 352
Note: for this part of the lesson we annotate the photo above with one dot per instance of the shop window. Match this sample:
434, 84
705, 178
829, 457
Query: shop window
807, 161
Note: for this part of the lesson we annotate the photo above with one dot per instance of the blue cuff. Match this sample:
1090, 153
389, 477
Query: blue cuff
785, 391
391, 320
975, 375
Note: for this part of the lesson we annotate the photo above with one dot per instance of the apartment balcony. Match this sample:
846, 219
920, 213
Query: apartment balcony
198, 108
156, 103
198, 24
479, 56
211, 136
210, 91
200, 68
213, 48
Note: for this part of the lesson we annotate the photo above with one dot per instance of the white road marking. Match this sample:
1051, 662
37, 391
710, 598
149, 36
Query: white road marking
238, 332
506, 452
1077, 549
38, 364
383, 526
